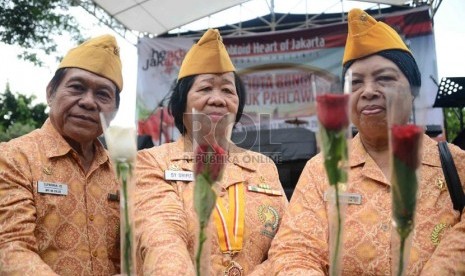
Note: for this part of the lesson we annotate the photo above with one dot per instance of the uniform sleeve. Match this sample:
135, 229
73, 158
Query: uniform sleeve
18, 245
264, 268
284, 200
300, 246
449, 256
161, 222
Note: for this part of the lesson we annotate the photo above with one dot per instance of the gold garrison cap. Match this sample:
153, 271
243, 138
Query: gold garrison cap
208, 55
99, 55
367, 36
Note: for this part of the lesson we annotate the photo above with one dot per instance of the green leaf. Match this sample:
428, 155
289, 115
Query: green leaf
124, 172
335, 154
404, 185
204, 199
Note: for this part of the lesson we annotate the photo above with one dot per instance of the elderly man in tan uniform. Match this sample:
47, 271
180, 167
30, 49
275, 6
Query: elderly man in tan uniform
377, 57
167, 225
55, 215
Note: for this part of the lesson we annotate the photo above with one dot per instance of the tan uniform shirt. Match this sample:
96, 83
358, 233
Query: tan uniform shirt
301, 245
47, 234
166, 223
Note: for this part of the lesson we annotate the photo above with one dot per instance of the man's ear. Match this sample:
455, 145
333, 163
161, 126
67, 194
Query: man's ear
50, 95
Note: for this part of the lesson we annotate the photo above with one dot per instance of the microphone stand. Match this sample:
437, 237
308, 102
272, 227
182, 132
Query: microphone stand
161, 124
161, 106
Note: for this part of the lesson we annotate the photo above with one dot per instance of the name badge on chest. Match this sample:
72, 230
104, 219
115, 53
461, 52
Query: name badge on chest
52, 188
348, 198
179, 175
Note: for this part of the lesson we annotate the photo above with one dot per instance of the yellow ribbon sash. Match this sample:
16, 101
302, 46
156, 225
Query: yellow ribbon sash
230, 224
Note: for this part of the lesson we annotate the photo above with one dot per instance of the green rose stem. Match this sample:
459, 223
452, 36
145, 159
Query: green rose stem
204, 202
335, 154
404, 197
208, 167
122, 149
124, 171
404, 205
405, 144
332, 111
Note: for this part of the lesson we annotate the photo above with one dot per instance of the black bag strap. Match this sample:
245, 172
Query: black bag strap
452, 178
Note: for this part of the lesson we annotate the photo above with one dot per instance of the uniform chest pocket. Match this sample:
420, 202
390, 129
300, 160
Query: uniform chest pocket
53, 198
112, 227
113, 210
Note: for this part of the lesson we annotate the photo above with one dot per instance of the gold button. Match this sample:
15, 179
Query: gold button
91, 217
94, 254
440, 184
385, 227
47, 170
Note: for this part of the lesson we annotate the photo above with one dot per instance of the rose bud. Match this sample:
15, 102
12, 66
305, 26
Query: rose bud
406, 144
333, 110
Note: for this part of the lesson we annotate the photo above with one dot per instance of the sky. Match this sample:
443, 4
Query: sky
23, 77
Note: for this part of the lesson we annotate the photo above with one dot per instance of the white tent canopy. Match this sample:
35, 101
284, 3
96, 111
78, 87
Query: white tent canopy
159, 16
155, 17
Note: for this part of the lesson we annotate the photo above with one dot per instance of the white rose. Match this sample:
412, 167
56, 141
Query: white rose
121, 142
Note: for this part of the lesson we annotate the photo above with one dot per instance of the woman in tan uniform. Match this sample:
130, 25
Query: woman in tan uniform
166, 223
438, 248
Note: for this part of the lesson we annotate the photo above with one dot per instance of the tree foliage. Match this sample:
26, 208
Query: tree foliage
19, 115
33, 24
452, 122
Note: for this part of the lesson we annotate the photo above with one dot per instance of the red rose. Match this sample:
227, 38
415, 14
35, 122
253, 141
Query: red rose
200, 158
210, 161
406, 142
333, 110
